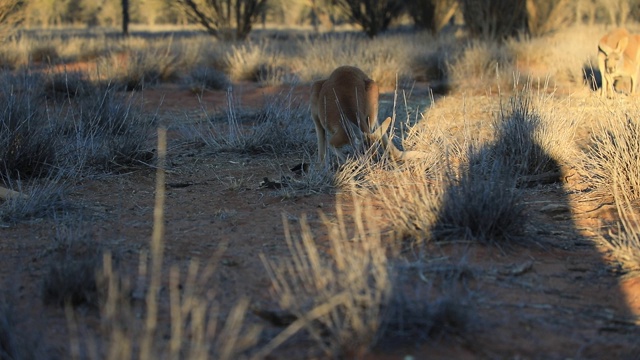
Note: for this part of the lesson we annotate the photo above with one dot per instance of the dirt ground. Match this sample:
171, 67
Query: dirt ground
567, 299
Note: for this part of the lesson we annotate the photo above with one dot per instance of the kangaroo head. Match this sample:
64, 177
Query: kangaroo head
613, 62
615, 58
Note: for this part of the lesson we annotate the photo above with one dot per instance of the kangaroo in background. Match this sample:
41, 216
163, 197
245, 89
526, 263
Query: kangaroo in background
618, 56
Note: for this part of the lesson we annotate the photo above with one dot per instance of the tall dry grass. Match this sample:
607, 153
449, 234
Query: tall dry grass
336, 299
196, 331
281, 126
624, 242
615, 153
613, 159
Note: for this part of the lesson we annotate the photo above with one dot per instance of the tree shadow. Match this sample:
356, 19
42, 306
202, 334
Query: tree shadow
540, 284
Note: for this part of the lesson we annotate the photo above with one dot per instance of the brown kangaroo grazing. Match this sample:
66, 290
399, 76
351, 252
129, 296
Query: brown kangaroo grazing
618, 56
345, 107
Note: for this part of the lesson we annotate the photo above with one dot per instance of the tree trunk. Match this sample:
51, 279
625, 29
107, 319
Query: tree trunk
125, 17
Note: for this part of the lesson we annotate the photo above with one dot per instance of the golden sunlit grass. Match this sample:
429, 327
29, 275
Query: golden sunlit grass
613, 161
336, 299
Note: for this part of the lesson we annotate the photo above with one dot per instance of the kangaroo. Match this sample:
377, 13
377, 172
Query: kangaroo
618, 56
345, 107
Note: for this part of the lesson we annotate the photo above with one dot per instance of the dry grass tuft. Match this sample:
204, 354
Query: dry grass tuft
16, 341
482, 204
614, 155
29, 138
531, 138
337, 299
481, 65
244, 61
613, 160
351, 294
625, 242
280, 127
204, 78
74, 261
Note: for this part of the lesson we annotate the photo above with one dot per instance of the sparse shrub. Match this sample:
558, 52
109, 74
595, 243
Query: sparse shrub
624, 242
11, 16
43, 53
386, 59
135, 69
373, 16
281, 126
43, 198
244, 61
108, 132
215, 55
336, 298
615, 154
10, 59
274, 75
483, 201
68, 85
480, 64
483, 204
494, 19
431, 66
71, 277
351, 297
205, 78
224, 19
314, 180
28, 137
422, 317
546, 16
432, 15
525, 141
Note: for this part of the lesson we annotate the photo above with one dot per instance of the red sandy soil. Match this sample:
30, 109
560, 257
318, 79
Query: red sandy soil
566, 299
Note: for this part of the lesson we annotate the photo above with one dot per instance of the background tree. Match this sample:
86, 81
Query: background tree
545, 16
617, 10
125, 17
374, 16
431, 14
224, 19
494, 19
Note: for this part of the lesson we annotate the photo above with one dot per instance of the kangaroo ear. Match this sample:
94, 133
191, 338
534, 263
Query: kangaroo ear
622, 44
385, 125
370, 86
380, 131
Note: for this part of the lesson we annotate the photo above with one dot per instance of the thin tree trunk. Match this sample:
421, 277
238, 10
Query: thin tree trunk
125, 17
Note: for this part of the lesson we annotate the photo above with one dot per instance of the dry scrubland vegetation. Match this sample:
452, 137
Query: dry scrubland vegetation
516, 116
